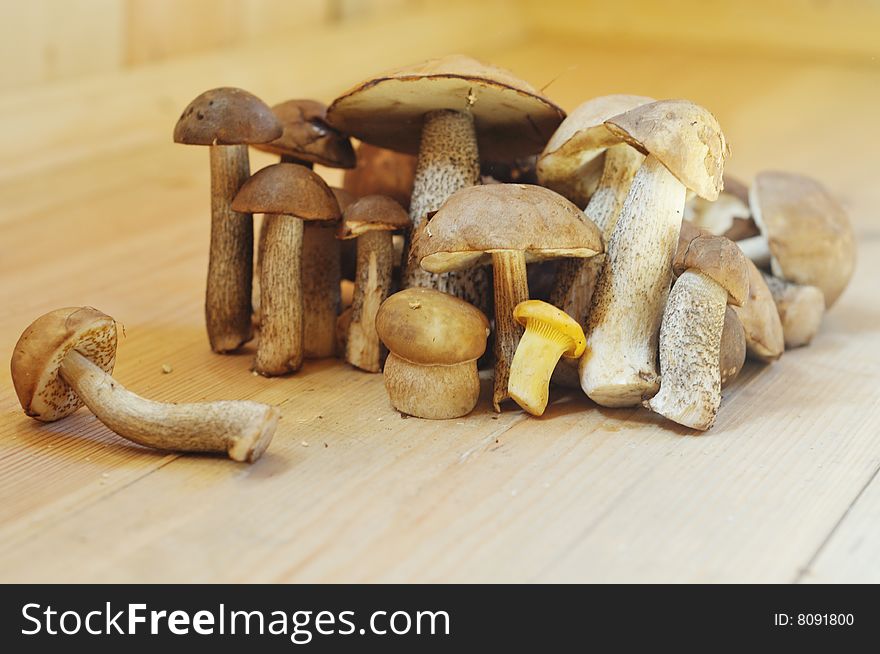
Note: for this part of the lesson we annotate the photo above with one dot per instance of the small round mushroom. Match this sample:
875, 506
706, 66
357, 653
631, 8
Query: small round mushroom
733, 347
288, 195
434, 341
371, 220
64, 360
760, 319
550, 334
381, 171
712, 272
685, 148
507, 225
805, 233
800, 309
228, 120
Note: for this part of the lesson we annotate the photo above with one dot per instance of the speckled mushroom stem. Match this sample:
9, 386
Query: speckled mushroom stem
690, 347
280, 350
320, 290
240, 429
511, 288
620, 368
448, 160
375, 255
230, 260
800, 309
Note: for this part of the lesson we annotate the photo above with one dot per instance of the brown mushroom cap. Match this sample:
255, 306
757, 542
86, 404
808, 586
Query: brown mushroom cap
427, 327
512, 119
42, 347
760, 318
478, 220
714, 256
683, 136
343, 197
372, 213
809, 234
288, 189
226, 116
308, 137
380, 171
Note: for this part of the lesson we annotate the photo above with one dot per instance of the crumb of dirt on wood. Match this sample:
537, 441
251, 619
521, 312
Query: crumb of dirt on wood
166, 368
304, 444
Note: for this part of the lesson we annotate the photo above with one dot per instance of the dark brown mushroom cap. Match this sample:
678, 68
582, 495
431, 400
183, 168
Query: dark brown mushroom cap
511, 117
714, 256
380, 171
226, 116
372, 213
308, 137
478, 220
343, 198
431, 328
290, 190
39, 352
683, 136
810, 237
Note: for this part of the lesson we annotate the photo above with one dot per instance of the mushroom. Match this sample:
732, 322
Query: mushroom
712, 272
805, 233
685, 148
800, 309
380, 171
733, 347
760, 319
370, 220
729, 215
227, 120
434, 341
288, 195
64, 360
506, 225
449, 111
550, 334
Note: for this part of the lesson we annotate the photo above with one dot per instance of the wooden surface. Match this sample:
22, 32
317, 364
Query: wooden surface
98, 207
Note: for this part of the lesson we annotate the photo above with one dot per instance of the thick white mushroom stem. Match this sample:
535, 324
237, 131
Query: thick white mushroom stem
321, 296
375, 255
231, 255
434, 392
240, 429
690, 348
448, 160
800, 308
757, 249
537, 354
511, 288
620, 367
280, 350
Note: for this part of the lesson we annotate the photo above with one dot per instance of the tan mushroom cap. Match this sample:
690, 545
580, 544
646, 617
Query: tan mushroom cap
714, 256
511, 117
42, 347
427, 327
372, 213
380, 171
308, 137
227, 116
760, 318
288, 189
581, 139
478, 220
683, 136
810, 237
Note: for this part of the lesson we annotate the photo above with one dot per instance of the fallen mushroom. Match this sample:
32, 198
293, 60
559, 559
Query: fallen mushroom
728, 215
434, 341
63, 360
760, 319
712, 272
371, 220
800, 309
550, 334
228, 120
506, 225
685, 148
288, 195
733, 347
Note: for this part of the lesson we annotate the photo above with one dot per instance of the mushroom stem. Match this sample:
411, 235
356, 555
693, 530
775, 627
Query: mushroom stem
511, 288
320, 290
375, 254
433, 392
230, 260
690, 347
240, 429
800, 309
757, 249
280, 350
539, 349
620, 367
448, 160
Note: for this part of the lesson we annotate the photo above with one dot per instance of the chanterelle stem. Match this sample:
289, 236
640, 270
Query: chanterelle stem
511, 288
240, 429
536, 355
375, 255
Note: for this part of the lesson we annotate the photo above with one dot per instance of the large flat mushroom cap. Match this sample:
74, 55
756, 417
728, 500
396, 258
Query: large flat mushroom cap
308, 137
810, 237
288, 189
372, 213
478, 220
227, 116
511, 117
684, 136
714, 256
39, 352
760, 318
427, 327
